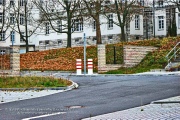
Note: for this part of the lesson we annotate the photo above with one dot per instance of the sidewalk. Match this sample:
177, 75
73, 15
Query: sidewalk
14, 95
68, 73
167, 109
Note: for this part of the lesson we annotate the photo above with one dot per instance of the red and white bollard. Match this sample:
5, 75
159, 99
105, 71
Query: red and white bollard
90, 66
78, 67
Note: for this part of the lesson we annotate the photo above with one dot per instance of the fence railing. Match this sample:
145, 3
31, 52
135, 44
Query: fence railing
173, 53
114, 54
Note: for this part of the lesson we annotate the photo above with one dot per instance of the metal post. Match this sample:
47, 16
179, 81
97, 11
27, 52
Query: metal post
146, 27
84, 53
12, 35
114, 55
154, 17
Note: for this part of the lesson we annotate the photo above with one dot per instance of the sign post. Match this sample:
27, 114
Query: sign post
84, 53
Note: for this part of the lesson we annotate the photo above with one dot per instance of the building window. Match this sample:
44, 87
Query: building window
41, 2
110, 21
22, 36
110, 38
77, 40
47, 28
11, 3
3, 52
77, 25
2, 2
161, 22
12, 36
59, 26
12, 19
94, 39
21, 19
137, 22
47, 42
2, 36
40, 42
160, 2
107, 2
1, 18
94, 25
179, 20
123, 1
60, 42
21, 2
141, 2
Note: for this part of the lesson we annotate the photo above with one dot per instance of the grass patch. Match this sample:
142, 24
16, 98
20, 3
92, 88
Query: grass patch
153, 60
32, 82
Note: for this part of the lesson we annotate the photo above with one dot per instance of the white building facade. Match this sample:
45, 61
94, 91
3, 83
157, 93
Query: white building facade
153, 22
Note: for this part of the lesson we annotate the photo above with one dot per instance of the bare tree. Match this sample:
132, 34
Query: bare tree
173, 2
171, 6
23, 20
125, 11
62, 15
95, 9
4, 20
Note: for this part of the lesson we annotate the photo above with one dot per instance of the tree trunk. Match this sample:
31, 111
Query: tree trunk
98, 31
27, 46
68, 39
69, 33
123, 39
26, 27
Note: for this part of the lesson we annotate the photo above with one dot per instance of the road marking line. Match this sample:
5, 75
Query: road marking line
47, 115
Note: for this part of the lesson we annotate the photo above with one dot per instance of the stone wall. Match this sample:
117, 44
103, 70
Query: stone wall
76, 42
102, 66
15, 60
133, 55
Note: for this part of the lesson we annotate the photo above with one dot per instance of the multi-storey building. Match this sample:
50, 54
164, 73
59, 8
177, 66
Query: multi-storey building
153, 21
15, 17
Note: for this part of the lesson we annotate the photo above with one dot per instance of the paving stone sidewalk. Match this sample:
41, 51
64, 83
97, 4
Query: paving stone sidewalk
167, 109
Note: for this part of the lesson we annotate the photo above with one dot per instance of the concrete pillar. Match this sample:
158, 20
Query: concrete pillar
15, 60
101, 58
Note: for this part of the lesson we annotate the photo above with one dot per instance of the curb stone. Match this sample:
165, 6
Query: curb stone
73, 86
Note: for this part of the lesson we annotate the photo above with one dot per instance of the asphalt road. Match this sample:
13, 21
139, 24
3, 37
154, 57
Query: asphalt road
96, 95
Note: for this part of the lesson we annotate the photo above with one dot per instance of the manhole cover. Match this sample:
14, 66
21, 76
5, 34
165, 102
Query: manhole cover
74, 107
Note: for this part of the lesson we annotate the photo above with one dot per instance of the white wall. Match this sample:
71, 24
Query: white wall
159, 32
134, 31
177, 21
87, 28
